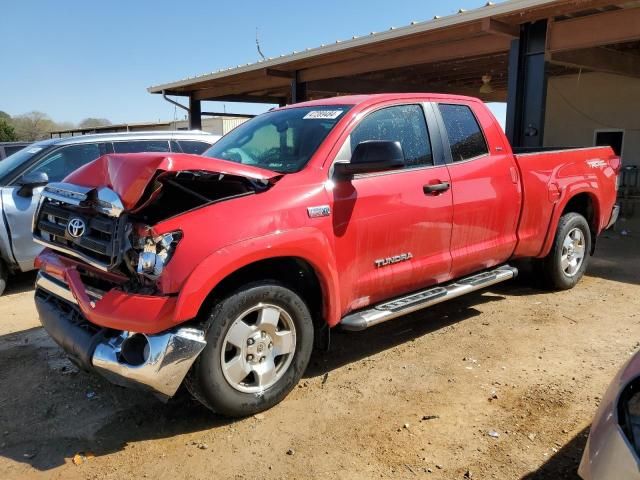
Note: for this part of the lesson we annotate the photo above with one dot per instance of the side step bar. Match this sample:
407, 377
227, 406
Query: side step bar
425, 298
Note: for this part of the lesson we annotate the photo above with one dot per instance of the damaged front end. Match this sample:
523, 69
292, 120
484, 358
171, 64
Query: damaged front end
98, 292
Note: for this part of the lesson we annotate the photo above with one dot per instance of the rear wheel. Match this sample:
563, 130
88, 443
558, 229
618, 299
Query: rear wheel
4, 276
259, 342
567, 261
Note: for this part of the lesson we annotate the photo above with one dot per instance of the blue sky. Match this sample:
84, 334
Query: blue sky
74, 59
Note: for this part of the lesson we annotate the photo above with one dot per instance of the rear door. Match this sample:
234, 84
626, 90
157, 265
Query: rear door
19, 210
485, 187
392, 233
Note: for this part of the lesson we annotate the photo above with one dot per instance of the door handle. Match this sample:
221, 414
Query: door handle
436, 188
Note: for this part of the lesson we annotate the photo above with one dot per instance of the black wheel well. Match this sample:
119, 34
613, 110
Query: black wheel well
583, 204
293, 272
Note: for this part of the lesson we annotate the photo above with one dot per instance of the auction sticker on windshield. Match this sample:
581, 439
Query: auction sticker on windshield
323, 115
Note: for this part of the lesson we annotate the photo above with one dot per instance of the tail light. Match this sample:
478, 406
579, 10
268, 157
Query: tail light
615, 163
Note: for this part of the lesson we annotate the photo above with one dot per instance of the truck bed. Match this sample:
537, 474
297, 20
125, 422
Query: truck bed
549, 178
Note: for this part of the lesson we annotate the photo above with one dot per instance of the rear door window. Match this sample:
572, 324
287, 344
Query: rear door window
193, 146
138, 146
465, 136
61, 162
403, 123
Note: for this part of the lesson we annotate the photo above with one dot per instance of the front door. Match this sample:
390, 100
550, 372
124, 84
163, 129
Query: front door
392, 234
19, 210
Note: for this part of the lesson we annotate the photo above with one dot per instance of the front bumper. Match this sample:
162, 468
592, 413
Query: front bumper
155, 362
114, 309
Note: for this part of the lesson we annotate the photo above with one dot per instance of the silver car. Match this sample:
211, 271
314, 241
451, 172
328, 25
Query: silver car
613, 447
24, 174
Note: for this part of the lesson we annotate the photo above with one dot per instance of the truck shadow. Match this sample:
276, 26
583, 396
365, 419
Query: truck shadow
616, 259
349, 347
20, 283
564, 463
51, 411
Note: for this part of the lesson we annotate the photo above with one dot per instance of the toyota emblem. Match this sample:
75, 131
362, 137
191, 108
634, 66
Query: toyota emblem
76, 227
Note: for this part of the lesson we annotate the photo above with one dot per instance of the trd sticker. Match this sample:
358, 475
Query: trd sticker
323, 115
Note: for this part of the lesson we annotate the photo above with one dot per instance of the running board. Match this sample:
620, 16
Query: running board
425, 298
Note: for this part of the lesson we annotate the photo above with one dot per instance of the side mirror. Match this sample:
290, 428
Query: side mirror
30, 181
371, 156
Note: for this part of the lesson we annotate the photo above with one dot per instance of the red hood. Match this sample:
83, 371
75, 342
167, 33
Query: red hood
129, 174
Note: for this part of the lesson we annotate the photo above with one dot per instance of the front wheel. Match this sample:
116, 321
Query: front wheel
567, 261
259, 341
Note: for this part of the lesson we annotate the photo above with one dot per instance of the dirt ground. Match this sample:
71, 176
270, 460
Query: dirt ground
415, 398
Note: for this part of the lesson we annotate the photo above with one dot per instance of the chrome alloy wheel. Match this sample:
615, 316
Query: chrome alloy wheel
258, 348
573, 252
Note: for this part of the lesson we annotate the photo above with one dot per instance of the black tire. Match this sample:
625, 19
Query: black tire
553, 274
206, 380
4, 276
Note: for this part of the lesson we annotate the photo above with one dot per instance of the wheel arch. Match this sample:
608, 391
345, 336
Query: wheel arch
584, 202
300, 260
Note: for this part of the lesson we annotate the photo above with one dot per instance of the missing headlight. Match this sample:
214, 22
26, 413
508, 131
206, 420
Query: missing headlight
155, 253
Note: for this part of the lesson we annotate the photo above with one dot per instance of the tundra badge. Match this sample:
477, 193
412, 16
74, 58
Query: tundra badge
383, 262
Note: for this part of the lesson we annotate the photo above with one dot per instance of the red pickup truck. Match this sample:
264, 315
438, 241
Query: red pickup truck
223, 271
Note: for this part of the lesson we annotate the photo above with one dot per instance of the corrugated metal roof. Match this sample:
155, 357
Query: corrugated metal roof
488, 10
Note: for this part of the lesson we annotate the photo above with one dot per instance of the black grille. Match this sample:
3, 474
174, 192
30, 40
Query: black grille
100, 243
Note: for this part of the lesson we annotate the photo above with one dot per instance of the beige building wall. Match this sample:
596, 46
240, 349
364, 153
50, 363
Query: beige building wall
578, 105
215, 125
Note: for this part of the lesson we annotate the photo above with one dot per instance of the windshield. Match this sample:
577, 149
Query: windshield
282, 140
13, 162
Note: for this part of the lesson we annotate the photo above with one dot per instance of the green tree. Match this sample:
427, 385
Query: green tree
32, 126
94, 122
4, 115
7, 132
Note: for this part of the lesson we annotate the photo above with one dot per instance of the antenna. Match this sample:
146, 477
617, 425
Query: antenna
258, 45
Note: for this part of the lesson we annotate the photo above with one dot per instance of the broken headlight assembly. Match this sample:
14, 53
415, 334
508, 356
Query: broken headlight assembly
155, 253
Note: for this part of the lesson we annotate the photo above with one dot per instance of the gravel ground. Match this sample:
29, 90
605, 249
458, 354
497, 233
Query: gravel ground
500, 384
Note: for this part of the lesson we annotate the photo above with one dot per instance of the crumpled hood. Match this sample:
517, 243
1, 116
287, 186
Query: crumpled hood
129, 174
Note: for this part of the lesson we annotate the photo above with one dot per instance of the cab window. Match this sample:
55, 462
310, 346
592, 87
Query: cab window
193, 146
465, 136
61, 162
138, 146
403, 123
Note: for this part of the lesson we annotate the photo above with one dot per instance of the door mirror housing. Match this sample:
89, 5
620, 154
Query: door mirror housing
371, 156
32, 180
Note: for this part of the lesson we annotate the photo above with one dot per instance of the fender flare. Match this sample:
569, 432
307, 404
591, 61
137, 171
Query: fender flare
559, 207
308, 244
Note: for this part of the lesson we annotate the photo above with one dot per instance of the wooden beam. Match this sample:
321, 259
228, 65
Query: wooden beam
240, 87
599, 59
496, 27
248, 99
343, 86
271, 72
605, 28
555, 9
469, 47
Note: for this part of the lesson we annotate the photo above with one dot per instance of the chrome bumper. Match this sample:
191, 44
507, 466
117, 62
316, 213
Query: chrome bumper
61, 289
156, 362
615, 212
167, 357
